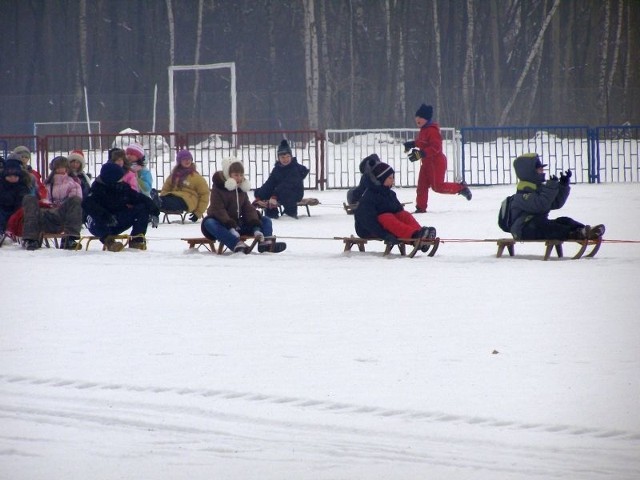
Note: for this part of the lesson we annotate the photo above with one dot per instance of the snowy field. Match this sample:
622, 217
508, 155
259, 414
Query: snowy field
315, 364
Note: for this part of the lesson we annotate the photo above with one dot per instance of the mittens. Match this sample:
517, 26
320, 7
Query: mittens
415, 155
565, 177
409, 145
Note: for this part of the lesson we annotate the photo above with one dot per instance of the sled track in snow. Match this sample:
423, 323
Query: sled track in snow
328, 406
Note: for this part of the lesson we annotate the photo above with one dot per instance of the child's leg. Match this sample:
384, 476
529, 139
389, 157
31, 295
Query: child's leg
438, 172
212, 228
422, 189
396, 224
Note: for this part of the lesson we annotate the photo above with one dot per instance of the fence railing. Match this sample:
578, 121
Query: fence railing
480, 156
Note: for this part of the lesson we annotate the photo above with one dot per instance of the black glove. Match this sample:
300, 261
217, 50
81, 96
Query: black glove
193, 217
409, 145
391, 240
155, 221
111, 221
564, 177
553, 178
415, 155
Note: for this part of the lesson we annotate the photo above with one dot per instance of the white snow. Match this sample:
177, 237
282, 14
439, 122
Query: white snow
315, 364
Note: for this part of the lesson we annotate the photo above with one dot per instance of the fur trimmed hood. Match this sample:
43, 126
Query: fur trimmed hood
229, 183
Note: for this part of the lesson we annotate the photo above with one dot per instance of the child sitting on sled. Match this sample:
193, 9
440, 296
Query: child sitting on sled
381, 215
535, 198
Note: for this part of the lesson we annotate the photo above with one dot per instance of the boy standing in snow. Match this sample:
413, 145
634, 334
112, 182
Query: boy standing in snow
284, 185
231, 214
427, 148
381, 215
535, 198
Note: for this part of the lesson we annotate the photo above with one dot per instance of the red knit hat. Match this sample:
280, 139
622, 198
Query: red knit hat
76, 155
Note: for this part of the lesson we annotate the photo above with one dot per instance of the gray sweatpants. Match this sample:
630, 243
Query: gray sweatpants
66, 218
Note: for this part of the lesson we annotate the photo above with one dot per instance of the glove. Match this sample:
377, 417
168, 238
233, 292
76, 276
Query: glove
234, 231
273, 203
112, 221
553, 178
155, 221
409, 145
415, 155
193, 217
258, 235
564, 177
391, 240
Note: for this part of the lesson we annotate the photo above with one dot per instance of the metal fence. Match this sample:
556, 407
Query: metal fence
480, 156
346, 148
602, 154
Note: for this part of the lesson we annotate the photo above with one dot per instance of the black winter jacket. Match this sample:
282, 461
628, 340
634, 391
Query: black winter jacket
377, 199
11, 195
284, 181
105, 200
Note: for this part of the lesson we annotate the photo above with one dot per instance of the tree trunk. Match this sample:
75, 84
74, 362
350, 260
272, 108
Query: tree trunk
468, 83
535, 50
311, 63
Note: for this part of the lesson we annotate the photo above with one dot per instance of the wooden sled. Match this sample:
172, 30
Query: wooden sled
305, 202
550, 246
125, 239
210, 245
57, 238
165, 219
428, 246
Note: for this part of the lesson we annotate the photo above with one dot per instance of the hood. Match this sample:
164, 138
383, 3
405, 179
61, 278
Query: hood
525, 167
225, 178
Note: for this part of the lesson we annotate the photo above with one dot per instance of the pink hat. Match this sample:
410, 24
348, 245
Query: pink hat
136, 150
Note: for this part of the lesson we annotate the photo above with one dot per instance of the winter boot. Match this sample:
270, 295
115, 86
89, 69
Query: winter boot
271, 246
596, 232
112, 245
430, 235
70, 243
31, 244
138, 243
272, 212
465, 192
241, 247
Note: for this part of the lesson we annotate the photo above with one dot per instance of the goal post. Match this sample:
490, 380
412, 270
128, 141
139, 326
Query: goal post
213, 66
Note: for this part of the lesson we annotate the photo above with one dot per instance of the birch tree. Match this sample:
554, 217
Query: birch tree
536, 50
311, 63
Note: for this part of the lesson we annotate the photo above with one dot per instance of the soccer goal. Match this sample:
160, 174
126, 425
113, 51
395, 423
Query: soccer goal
66, 128
196, 69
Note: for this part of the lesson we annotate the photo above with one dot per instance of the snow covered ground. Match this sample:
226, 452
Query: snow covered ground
314, 364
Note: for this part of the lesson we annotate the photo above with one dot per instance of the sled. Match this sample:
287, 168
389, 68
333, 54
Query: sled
305, 202
552, 245
125, 239
181, 213
210, 245
428, 246
56, 238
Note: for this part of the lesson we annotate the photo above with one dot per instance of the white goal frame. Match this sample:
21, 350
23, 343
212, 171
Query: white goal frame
86, 125
212, 66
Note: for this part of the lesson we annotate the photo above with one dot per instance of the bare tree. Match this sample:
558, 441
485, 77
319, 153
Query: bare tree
311, 63
535, 51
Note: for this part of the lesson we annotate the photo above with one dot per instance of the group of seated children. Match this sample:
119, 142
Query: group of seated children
121, 197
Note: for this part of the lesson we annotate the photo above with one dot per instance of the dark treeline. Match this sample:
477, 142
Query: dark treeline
319, 64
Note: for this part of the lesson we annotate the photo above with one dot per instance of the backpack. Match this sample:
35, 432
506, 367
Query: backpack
504, 215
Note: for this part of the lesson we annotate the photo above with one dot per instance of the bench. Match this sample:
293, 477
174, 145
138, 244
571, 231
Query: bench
125, 239
181, 213
210, 245
550, 246
305, 202
429, 246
